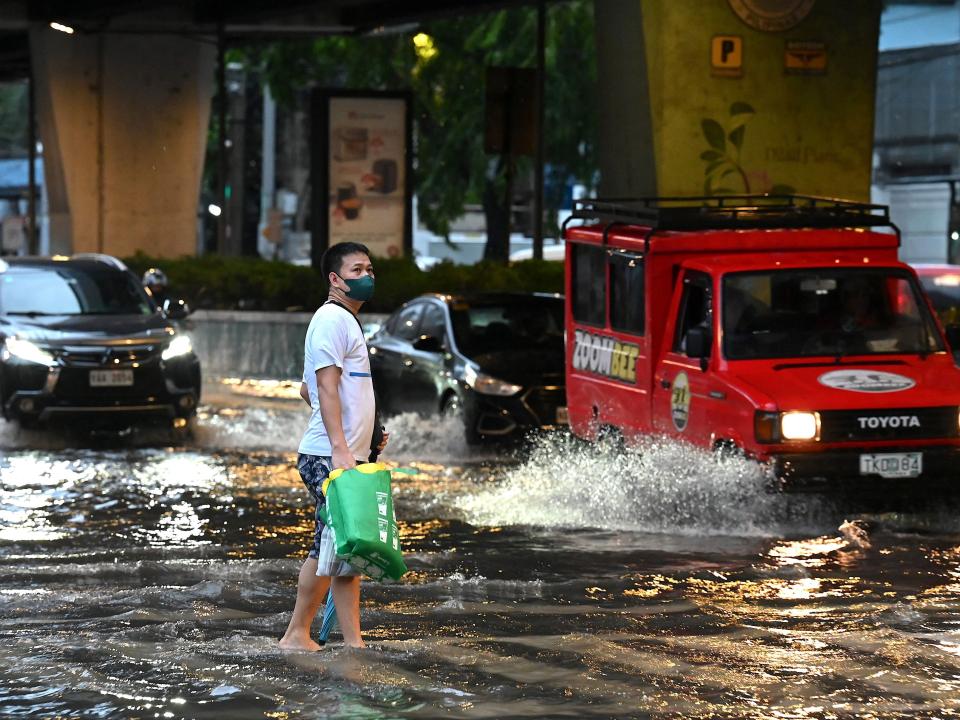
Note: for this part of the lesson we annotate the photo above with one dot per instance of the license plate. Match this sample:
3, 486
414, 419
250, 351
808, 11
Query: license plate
562, 418
111, 378
892, 465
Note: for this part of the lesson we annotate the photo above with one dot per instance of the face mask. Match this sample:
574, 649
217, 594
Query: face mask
361, 289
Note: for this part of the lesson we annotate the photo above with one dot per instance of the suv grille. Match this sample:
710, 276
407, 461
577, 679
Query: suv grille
87, 356
885, 424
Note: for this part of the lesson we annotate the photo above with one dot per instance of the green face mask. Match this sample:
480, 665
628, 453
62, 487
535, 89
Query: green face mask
361, 289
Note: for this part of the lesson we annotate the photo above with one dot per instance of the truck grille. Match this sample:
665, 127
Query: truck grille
885, 424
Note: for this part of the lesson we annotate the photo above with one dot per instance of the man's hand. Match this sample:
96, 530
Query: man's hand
383, 443
343, 458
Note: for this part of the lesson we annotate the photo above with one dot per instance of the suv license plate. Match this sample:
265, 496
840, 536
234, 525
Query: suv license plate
562, 418
111, 378
892, 465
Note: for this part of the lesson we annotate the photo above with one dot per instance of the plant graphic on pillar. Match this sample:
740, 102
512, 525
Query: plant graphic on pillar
723, 165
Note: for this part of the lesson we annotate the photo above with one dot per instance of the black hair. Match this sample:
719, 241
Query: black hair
332, 260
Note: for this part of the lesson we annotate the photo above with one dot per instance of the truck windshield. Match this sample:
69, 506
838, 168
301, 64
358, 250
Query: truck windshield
797, 313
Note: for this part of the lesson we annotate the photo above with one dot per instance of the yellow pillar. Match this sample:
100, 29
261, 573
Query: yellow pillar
712, 97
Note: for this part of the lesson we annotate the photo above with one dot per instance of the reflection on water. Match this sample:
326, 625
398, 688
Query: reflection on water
576, 581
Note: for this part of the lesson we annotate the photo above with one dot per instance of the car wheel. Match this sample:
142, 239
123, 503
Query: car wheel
727, 449
182, 434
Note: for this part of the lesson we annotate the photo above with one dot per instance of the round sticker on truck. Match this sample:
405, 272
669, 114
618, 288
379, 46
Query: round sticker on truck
867, 381
680, 401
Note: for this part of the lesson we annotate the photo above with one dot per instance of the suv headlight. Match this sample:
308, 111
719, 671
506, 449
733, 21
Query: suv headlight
26, 351
180, 345
486, 385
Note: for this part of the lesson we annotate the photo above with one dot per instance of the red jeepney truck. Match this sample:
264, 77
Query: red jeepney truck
784, 328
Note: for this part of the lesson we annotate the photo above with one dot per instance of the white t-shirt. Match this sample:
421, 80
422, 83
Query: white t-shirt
334, 337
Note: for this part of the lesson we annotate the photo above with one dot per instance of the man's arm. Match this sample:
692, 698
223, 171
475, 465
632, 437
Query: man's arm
305, 393
328, 390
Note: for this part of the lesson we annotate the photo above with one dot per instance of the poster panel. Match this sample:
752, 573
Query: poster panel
366, 190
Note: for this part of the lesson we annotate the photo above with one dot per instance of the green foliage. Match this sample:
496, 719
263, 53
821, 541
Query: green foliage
723, 159
448, 93
13, 119
219, 282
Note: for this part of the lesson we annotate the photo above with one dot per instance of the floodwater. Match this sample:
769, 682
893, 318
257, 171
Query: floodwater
140, 580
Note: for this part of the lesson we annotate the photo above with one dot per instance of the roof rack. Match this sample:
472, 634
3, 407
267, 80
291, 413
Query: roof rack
733, 212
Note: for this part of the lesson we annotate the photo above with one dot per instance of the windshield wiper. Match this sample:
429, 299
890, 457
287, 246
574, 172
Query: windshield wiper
111, 312
39, 313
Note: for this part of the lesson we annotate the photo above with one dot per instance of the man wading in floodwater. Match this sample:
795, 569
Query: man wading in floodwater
338, 388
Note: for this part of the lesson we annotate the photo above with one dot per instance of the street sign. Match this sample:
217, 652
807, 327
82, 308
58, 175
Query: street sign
726, 56
805, 58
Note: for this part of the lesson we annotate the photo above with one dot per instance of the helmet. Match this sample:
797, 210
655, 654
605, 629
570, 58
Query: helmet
155, 277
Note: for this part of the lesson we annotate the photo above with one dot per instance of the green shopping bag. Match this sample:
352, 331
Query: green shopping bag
359, 508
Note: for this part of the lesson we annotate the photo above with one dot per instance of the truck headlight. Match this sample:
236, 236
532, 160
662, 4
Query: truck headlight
798, 425
26, 351
180, 345
486, 385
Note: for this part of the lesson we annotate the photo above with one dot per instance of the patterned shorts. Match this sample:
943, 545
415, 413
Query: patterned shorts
314, 470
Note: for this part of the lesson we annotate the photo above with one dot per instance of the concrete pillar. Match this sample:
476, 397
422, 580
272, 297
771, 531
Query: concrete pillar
625, 148
713, 97
123, 120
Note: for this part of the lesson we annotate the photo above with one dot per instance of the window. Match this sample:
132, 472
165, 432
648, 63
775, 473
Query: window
626, 292
521, 323
406, 322
694, 308
434, 322
589, 284
825, 311
72, 290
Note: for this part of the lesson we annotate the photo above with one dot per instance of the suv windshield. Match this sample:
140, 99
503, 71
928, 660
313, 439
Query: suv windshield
71, 290
521, 324
795, 313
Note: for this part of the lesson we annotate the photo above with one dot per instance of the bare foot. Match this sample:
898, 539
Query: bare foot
358, 646
298, 643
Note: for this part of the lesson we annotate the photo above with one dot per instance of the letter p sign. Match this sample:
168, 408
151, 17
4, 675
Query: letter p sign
726, 55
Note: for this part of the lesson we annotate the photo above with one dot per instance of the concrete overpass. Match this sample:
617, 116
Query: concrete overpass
122, 93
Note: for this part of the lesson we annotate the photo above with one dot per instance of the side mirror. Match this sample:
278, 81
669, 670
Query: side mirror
698, 341
953, 336
176, 309
428, 343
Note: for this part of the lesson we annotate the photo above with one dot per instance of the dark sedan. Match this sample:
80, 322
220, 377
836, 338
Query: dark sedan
496, 359
81, 340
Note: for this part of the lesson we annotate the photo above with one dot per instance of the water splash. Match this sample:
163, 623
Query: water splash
249, 428
657, 486
434, 438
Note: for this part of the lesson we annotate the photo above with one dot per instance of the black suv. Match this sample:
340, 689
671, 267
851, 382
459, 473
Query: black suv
81, 339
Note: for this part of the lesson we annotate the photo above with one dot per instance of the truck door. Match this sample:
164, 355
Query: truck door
681, 388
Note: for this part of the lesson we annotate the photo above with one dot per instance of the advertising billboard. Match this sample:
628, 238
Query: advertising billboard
362, 170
